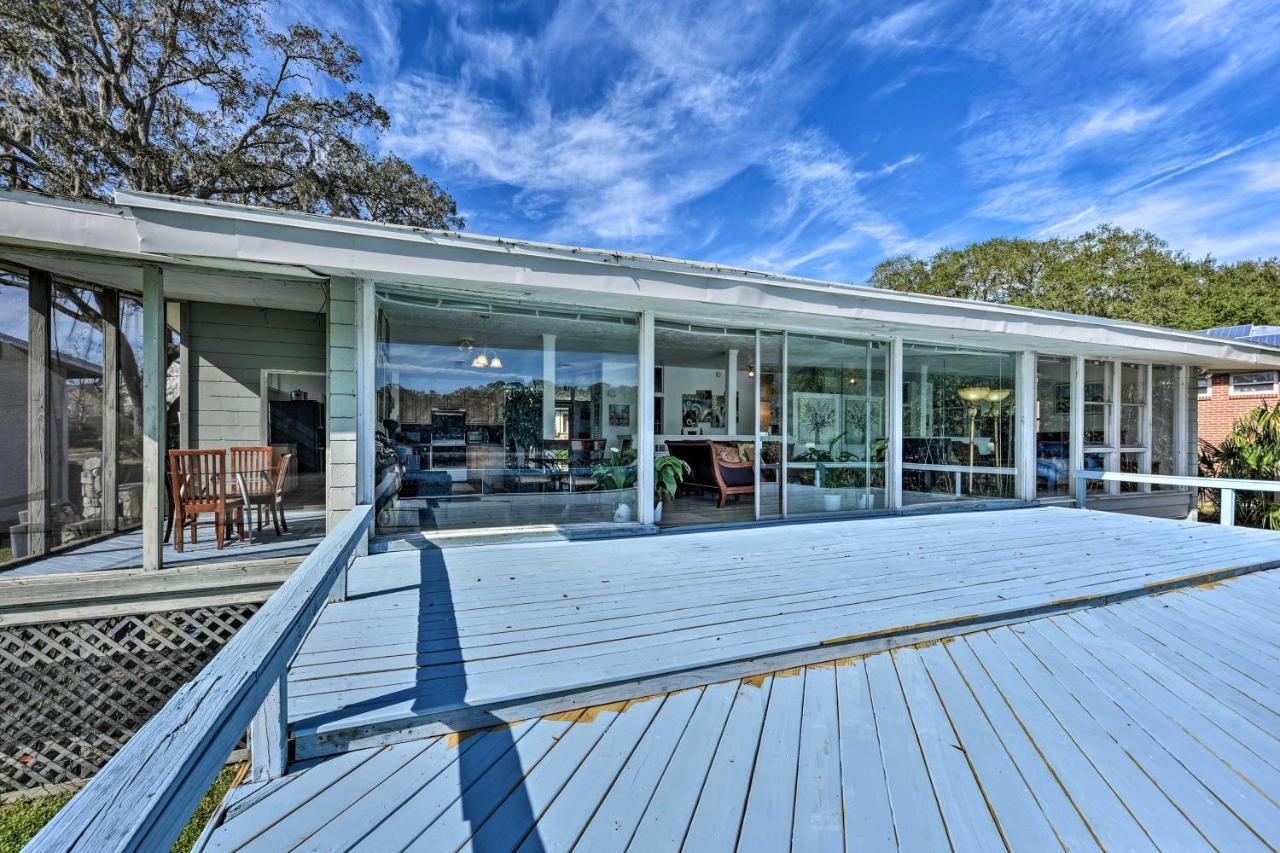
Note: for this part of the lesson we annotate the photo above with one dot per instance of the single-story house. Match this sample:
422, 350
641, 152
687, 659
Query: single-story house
1223, 397
476, 385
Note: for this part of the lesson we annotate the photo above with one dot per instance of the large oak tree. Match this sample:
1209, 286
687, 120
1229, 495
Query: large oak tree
197, 98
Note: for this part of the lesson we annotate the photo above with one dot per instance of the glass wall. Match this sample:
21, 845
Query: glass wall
1099, 437
1164, 414
1133, 422
75, 408
836, 436
501, 415
14, 343
1053, 426
704, 387
959, 436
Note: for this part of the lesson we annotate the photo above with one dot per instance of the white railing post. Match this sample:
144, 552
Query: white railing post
1227, 508
269, 735
1082, 492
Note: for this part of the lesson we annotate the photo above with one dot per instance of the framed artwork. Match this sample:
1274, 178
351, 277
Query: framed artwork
620, 414
817, 418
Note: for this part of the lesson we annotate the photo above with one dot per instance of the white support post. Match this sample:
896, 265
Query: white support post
1181, 422
1077, 414
644, 432
1227, 508
1025, 441
548, 387
893, 459
1082, 492
269, 735
153, 421
366, 401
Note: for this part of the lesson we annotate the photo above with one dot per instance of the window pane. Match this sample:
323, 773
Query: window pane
836, 407
1053, 426
499, 415
1096, 462
75, 408
129, 457
14, 339
958, 424
1097, 403
1131, 463
1263, 382
1133, 408
1164, 398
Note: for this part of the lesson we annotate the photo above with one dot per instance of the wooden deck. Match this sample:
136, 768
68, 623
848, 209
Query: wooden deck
1150, 723
306, 529
441, 640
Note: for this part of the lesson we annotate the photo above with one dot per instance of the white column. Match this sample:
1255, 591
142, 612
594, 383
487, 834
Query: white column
548, 386
893, 455
645, 444
1145, 467
1025, 443
153, 426
1181, 421
366, 399
731, 394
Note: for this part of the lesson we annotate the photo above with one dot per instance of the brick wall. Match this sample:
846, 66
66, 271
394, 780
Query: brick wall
1221, 409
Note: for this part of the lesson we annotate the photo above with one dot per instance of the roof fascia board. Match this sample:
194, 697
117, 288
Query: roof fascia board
189, 227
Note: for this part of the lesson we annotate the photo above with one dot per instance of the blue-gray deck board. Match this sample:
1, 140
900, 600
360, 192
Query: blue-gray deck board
1068, 731
428, 634
124, 551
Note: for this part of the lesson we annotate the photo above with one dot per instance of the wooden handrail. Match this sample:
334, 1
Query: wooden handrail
1228, 485
146, 793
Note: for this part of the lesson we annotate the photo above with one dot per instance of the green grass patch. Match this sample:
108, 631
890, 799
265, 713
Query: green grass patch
21, 820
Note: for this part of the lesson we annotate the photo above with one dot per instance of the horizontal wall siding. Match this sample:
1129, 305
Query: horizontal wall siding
230, 345
341, 410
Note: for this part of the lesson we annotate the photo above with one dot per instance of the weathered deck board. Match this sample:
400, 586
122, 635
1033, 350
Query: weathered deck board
429, 640
1071, 731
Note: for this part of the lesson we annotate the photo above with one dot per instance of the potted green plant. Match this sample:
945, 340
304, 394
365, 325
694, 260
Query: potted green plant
668, 473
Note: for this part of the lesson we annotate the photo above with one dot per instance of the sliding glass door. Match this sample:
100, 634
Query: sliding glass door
836, 435
770, 379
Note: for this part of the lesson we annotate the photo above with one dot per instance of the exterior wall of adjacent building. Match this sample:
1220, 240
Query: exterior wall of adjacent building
1221, 408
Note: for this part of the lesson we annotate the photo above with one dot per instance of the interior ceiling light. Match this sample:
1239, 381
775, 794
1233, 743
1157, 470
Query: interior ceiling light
466, 345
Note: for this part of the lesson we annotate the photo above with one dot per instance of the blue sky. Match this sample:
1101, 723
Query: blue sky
820, 138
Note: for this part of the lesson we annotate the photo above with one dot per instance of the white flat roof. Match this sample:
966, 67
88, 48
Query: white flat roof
252, 240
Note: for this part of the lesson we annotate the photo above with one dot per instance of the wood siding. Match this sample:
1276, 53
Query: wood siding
230, 345
341, 408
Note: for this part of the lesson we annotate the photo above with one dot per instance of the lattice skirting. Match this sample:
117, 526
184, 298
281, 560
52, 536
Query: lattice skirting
72, 693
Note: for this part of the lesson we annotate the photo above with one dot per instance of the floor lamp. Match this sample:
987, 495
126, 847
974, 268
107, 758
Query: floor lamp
973, 397
997, 396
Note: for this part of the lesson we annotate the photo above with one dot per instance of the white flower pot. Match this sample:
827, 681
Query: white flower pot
657, 512
622, 513
831, 503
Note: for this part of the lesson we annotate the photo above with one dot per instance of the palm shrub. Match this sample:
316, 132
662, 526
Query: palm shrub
1251, 451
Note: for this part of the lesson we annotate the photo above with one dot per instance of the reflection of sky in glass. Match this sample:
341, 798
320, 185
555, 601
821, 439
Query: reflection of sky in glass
13, 307
443, 369
75, 334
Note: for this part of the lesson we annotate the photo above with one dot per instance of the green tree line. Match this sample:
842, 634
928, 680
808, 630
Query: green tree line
1106, 272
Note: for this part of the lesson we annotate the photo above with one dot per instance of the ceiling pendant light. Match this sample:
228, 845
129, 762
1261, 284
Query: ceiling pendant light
481, 360
495, 361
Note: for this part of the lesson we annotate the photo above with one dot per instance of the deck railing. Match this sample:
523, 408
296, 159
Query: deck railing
146, 793
1228, 486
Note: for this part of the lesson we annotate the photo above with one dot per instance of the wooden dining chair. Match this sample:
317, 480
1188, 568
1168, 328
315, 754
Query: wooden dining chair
199, 485
268, 493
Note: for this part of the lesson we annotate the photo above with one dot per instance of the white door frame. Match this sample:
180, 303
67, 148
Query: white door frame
264, 410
